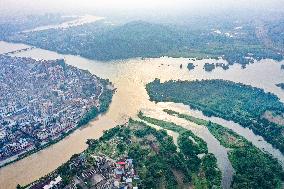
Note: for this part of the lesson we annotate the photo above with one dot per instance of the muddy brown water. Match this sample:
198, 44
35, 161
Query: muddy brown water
130, 77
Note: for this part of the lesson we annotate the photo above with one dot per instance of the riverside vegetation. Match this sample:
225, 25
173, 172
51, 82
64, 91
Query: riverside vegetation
253, 168
240, 103
189, 143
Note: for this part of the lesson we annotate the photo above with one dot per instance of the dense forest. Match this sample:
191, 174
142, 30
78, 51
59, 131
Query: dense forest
240, 103
103, 41
253, 168
191, 145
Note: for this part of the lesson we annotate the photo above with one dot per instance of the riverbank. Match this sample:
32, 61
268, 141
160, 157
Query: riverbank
51, 109
28, 153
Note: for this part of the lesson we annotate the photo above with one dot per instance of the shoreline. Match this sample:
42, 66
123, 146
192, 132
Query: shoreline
23, 155
48, 144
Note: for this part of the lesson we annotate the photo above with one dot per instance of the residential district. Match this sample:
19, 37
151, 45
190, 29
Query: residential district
40, 102
103, 173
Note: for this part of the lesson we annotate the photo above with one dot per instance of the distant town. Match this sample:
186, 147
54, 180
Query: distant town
42, 101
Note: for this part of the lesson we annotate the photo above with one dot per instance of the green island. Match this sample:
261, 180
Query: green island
190, 66
249, 106
209, 67
253, 168
157, 161
281, 85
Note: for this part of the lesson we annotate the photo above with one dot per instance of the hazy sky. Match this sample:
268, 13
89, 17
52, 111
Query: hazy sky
31, 6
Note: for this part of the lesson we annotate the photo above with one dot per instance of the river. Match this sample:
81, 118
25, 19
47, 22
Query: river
80, 20
130, 77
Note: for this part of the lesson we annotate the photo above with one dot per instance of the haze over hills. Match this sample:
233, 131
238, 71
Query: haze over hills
238, 42
180, 10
